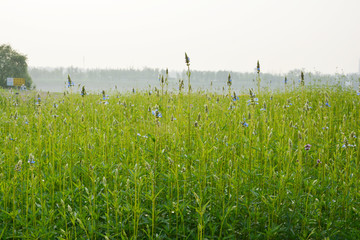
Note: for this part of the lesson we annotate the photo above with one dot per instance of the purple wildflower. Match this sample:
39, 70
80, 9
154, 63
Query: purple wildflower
156, 113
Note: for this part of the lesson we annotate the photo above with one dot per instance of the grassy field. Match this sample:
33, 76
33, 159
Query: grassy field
173, 165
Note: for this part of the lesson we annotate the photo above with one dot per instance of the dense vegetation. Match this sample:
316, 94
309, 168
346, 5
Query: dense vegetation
163, 165
13, 65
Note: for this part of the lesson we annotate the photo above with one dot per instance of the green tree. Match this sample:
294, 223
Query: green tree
13, 64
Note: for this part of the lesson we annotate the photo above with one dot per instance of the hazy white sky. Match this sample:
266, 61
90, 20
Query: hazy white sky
321, 35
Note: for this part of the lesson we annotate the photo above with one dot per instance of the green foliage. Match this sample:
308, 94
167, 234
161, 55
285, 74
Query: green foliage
13, 64
121, 166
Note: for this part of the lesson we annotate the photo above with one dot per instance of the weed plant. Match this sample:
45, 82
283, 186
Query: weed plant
278, 165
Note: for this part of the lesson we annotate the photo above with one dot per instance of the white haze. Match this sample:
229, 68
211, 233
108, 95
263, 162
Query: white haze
317, 35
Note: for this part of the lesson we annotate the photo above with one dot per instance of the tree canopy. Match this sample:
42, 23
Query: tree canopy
13, 65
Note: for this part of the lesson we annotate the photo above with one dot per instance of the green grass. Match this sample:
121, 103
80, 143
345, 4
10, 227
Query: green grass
117, 171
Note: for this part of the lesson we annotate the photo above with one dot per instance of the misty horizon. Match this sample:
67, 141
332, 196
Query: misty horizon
318, 36
54, 79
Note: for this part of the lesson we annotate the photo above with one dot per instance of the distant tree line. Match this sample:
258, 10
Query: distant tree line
142, 78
